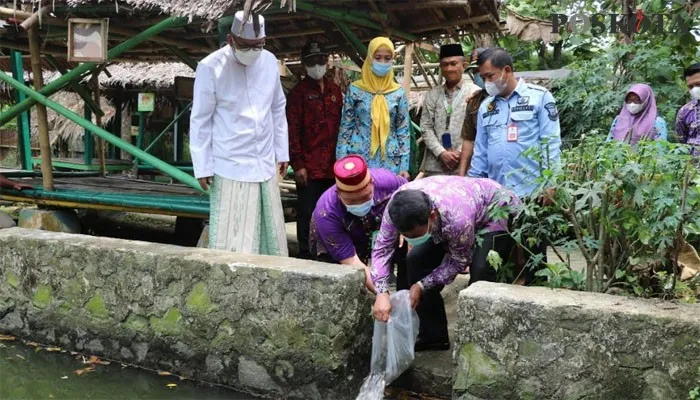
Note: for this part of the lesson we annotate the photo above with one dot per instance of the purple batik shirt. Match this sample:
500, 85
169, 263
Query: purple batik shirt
688, 126
462, 211
341, 235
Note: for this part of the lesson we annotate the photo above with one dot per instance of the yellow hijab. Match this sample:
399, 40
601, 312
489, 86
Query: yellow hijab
379, 86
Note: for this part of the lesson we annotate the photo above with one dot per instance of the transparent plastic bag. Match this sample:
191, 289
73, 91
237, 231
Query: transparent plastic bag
393, 341
392, 347
401, 334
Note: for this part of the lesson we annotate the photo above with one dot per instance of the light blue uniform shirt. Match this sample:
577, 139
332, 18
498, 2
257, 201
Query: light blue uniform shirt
532, 110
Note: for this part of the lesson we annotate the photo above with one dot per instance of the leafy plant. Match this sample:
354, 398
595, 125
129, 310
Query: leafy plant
627, 211
694, 394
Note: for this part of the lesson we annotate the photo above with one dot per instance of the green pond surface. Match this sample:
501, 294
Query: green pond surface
26, 373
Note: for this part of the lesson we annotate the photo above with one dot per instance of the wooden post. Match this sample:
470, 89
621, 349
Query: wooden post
42, 119
407, 68
98, 121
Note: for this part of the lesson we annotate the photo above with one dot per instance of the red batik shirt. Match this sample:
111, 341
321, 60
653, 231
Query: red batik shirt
314, 118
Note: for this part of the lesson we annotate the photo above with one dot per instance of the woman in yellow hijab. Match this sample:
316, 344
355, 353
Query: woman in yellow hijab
375, 116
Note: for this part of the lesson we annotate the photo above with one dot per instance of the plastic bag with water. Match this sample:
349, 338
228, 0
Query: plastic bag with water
392, 347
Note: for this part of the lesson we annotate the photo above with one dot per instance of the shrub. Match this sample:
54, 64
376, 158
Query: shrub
628, 211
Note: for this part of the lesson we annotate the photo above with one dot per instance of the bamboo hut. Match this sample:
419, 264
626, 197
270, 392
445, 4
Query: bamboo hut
165, 33
66, 137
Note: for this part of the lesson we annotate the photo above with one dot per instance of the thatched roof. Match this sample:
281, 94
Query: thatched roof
145, 75
287, 32
63, 129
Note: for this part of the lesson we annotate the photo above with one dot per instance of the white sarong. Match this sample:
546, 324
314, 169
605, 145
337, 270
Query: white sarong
247, 217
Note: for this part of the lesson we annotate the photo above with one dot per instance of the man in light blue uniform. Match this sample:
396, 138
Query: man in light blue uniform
515, 117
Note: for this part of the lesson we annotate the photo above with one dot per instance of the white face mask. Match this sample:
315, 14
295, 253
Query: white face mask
247, 57
317, 72
495, 87
695, 93
634, 108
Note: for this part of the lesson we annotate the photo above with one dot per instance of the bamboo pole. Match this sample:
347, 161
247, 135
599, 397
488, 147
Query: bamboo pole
98, 131
78, 71
42, 118
34, 18
408, 68
422, 70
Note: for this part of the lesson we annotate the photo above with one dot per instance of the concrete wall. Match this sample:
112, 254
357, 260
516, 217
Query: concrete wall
274, 326
516, 342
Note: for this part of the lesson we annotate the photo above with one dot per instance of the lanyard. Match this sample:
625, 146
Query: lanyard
448, 106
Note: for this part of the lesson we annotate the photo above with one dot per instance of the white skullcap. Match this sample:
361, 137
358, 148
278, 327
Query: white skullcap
248, 30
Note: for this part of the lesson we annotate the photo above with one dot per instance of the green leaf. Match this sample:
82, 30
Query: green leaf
494, 259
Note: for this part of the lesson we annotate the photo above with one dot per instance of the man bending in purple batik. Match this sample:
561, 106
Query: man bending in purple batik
440, 217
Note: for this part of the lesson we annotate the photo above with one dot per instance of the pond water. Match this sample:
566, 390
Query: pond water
28, 373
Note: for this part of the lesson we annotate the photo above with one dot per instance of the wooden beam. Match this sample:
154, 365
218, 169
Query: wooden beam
158, 39
95, 82
42, 118
408, 68
428, 47
417, 5
454, 22
306, 32
441, 16
374, 8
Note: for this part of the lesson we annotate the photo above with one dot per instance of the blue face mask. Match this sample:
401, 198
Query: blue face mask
361, 210
381, 68
478, 81
419, 240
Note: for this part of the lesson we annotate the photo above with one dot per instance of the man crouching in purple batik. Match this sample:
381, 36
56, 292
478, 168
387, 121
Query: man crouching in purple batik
440, 217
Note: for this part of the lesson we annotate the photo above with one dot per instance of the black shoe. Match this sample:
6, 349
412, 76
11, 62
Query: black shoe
431, 345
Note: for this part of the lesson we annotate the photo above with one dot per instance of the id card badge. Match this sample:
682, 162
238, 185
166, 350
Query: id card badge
512, 133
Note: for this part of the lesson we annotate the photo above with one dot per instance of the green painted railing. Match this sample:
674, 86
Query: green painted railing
105, 135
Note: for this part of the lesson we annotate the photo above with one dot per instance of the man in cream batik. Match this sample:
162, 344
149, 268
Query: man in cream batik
238, 141
443, 114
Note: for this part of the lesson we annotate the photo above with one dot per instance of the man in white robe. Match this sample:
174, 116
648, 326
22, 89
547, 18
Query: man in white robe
239, 141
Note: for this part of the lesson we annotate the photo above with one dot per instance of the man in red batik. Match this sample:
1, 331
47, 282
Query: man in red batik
313, 115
